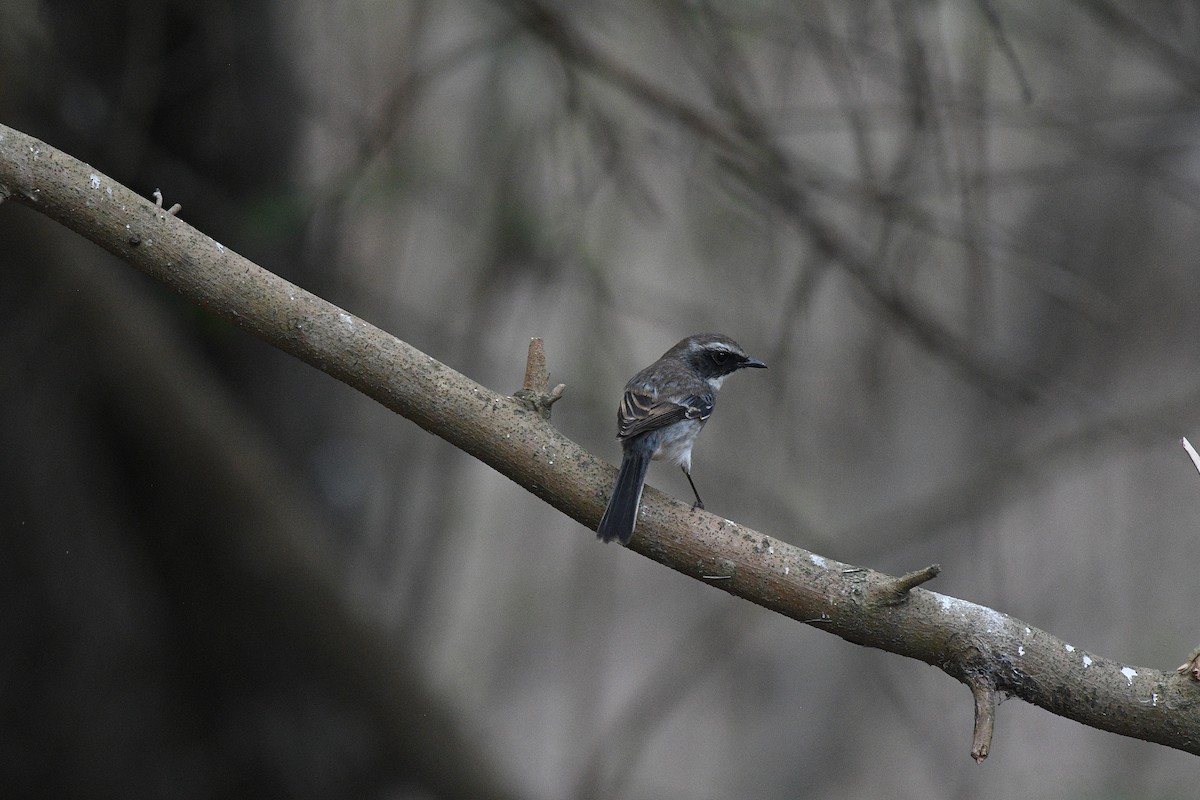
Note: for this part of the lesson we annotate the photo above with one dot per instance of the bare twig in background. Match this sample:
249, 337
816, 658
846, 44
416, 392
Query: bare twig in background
769, 172
1191, 451
1002, 41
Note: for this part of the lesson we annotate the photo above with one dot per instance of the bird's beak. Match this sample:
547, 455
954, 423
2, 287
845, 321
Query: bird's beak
754, 362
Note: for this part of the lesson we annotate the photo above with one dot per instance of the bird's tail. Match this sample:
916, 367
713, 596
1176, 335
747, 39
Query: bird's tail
621, 515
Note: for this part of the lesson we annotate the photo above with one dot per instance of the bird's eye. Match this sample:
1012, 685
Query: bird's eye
719, 357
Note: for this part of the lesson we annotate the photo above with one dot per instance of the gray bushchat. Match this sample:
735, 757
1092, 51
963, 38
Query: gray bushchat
664, 407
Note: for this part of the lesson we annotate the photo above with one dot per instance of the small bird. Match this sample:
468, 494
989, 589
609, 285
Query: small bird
664, 407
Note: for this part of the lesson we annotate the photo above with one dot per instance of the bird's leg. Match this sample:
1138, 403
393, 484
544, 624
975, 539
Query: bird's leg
699, 503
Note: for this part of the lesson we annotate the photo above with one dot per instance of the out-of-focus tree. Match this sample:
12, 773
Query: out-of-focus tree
961, 235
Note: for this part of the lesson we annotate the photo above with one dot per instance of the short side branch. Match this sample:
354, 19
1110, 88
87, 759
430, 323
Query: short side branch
895, 590
986, 699
536, 391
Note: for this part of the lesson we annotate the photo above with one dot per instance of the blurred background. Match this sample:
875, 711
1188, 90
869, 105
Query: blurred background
962, 235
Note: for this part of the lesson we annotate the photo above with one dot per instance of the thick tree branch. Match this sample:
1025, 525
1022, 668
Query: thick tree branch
990, 652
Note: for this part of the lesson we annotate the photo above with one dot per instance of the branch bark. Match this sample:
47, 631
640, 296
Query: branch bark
993, 654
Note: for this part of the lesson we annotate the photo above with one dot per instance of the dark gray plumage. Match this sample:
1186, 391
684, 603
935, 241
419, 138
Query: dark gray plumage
664, 408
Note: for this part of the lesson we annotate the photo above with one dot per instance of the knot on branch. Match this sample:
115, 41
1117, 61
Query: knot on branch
536, 393
893, 591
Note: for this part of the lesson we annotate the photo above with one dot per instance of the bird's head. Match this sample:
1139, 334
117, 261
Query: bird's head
714, 355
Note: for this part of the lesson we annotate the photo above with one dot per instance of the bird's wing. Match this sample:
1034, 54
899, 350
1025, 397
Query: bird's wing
640, 413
